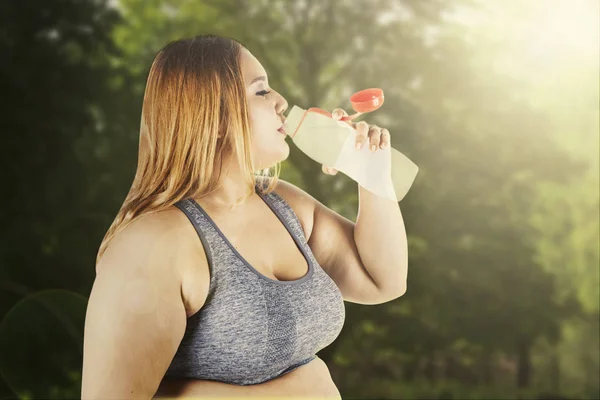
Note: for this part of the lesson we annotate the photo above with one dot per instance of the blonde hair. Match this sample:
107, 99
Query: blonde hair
195, 92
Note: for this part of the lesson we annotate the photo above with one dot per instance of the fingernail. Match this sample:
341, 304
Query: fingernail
358, 145
373, 147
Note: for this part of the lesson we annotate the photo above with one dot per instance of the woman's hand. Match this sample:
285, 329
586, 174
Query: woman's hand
378, 138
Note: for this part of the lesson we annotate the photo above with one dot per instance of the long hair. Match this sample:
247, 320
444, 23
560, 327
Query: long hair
195, 93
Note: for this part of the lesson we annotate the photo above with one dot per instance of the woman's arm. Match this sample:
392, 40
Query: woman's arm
135, 317
310, 380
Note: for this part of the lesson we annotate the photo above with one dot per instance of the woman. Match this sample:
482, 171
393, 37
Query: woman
216, 278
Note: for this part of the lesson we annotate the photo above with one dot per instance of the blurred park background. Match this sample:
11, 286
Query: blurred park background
495, 101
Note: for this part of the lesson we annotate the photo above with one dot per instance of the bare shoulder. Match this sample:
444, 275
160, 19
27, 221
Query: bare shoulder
154, 234
301, 202
168, 240
135, 316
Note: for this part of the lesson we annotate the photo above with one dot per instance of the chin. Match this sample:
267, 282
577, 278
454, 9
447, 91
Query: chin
285, 153
275, 157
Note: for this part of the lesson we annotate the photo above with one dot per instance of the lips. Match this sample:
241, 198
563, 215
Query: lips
282, 129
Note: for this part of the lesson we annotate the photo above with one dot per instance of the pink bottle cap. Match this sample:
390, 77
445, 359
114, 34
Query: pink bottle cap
363, 101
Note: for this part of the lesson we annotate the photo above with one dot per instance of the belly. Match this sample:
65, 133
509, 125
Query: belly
312, 379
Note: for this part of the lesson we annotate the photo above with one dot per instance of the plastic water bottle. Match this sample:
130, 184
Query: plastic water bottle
385, 172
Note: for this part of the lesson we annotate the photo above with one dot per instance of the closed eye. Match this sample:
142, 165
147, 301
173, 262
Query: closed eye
263, 93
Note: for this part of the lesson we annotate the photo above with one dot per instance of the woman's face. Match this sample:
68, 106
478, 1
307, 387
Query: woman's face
265, 108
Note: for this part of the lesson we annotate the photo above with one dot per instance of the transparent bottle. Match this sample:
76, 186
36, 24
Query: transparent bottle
385, 172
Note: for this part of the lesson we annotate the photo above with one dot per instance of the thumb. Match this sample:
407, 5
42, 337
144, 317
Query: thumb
338, 113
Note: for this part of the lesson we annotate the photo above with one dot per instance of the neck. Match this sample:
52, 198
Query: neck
231, 187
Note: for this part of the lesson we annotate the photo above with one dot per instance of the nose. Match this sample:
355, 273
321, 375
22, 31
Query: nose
281, 106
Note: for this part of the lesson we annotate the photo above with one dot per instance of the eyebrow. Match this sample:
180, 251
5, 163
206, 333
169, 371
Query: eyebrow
260, 78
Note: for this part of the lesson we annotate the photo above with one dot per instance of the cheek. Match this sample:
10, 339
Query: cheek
259, 114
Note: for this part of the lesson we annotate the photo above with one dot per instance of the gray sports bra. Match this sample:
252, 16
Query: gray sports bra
252, 328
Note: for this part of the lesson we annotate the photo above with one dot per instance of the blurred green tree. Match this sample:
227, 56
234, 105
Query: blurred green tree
502, 220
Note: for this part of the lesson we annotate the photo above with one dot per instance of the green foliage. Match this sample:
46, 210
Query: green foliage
502, 297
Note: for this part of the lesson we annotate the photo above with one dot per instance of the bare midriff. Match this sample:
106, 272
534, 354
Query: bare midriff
312, 379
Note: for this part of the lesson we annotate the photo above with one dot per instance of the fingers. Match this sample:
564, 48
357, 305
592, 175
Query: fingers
362, 133
374, 137
385, 138
338, 113
378, 138
328, 170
